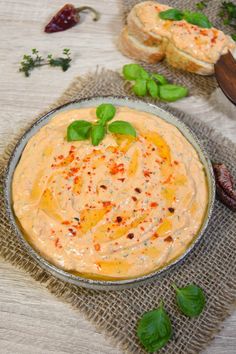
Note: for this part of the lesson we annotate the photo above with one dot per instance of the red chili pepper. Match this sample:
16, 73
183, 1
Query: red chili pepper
67, 17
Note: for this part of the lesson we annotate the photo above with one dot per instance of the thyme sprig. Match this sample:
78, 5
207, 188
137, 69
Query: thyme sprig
30, 62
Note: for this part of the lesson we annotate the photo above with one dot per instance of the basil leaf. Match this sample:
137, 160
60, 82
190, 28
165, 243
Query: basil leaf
172, 93
78, 130
154, 329
140, 87
171, 14
197, 18
152, 88
105, 112
134, 72
190, 300
122, 127
97, 134
160, 78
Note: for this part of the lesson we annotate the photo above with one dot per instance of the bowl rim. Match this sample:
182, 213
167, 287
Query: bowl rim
101, 284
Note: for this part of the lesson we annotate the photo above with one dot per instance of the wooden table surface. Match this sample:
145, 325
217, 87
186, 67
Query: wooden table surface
31, 319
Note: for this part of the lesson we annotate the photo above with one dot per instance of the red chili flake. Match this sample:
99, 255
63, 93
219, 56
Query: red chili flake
89, 173
74, 169
130, 236
72, 231
52, 231
106, 204
97, 247
103, 186
147, 173
154, 236
60, 157
168, 239
119, 219
167, 180
153, 205
116, 168
138, 190
68, 188
153, 149
171, 210
66, 222
76, 180
134, 199
121, 179
57, 243
176, 162
142, 228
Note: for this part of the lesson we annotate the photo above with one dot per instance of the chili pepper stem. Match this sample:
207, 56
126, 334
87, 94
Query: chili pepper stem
96, 14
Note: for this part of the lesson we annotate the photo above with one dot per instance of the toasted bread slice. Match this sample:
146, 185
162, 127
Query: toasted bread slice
145, 25
135, 49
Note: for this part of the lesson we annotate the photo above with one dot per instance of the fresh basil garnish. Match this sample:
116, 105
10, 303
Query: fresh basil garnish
195, 18
198, 19
105, 112
190, 299
78, 130
171, 14
152, 88
122, 127
97, 134
140, 87
172, 93
154, 329
162, 80
134, 72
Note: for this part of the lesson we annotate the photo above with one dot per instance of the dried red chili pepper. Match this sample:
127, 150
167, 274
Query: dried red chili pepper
224, 185
67, 17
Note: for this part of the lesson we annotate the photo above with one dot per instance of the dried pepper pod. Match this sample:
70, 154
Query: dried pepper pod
67, 17
224, 186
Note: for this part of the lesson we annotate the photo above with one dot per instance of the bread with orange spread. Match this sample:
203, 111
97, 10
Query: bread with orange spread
188, 47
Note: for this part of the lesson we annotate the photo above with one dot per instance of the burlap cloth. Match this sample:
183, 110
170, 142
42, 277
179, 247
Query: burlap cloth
197, 84
211, 265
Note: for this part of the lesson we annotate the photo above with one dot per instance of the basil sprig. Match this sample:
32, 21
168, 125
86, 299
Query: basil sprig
153, 84
121, 127
190, 299
78, 130
82, 129
154, 329
195, 18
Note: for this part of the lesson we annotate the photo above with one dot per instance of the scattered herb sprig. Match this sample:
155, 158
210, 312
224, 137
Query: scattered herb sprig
228, 13
201, 5
153, 84
154, 328
30, 62
195, 18
83, 130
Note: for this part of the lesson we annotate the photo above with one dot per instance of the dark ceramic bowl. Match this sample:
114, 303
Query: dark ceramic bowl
138, 105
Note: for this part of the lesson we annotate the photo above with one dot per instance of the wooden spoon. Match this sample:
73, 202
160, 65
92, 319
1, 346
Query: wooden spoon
225, 72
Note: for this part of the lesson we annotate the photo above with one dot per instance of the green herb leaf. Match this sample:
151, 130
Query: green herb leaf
172, 93
78, 130
105, 112
201, 5
154, 329
97, 134
134, 72
140, 87
233, 36
228, 13
197, 18
171, 14
122, 127
162, 80
190, 300
152, 88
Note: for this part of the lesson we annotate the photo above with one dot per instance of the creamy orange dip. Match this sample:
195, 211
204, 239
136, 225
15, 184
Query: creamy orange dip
121, 209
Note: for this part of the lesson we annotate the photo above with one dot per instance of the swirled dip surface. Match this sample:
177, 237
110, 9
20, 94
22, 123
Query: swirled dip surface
118, 210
